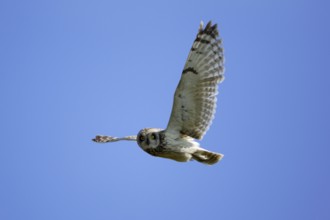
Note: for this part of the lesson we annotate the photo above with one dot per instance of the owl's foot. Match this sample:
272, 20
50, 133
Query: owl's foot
104, 139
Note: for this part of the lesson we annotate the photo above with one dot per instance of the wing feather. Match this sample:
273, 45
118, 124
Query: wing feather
195, 97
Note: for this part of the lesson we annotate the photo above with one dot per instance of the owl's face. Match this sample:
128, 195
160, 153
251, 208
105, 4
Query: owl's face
148, 138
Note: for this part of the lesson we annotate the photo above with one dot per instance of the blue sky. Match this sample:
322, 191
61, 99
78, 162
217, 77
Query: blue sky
74, 69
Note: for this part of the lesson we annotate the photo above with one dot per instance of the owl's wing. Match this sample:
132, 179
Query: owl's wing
195, 96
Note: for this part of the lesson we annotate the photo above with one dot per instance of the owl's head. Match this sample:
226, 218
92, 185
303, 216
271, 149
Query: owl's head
148, 138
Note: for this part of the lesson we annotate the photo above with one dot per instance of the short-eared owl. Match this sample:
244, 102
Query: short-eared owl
193, 108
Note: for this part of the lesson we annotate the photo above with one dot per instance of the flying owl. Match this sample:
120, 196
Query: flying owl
193, 108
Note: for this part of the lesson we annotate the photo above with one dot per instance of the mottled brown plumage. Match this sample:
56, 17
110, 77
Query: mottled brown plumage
195, 97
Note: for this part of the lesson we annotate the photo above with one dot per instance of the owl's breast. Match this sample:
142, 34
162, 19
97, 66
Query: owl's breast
178, 143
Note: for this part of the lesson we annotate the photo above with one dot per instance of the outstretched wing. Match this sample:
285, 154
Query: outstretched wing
195, 97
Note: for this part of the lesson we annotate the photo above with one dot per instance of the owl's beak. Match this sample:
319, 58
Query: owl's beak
148, 142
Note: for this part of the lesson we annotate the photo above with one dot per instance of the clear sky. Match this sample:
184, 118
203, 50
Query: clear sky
72, 69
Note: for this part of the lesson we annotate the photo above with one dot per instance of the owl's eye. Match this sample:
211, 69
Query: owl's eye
141, 138
153, 137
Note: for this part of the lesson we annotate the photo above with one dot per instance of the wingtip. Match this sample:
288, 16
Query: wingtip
201, 24
208, 27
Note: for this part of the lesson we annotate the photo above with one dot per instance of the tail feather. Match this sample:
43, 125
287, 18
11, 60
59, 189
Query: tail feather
206, 157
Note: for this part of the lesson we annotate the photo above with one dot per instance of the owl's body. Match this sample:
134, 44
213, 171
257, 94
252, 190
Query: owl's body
181, 148
193, 108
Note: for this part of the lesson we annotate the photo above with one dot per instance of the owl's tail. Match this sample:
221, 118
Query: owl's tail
206, 157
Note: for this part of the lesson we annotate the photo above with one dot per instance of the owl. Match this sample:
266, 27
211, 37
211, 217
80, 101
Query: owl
193, 108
